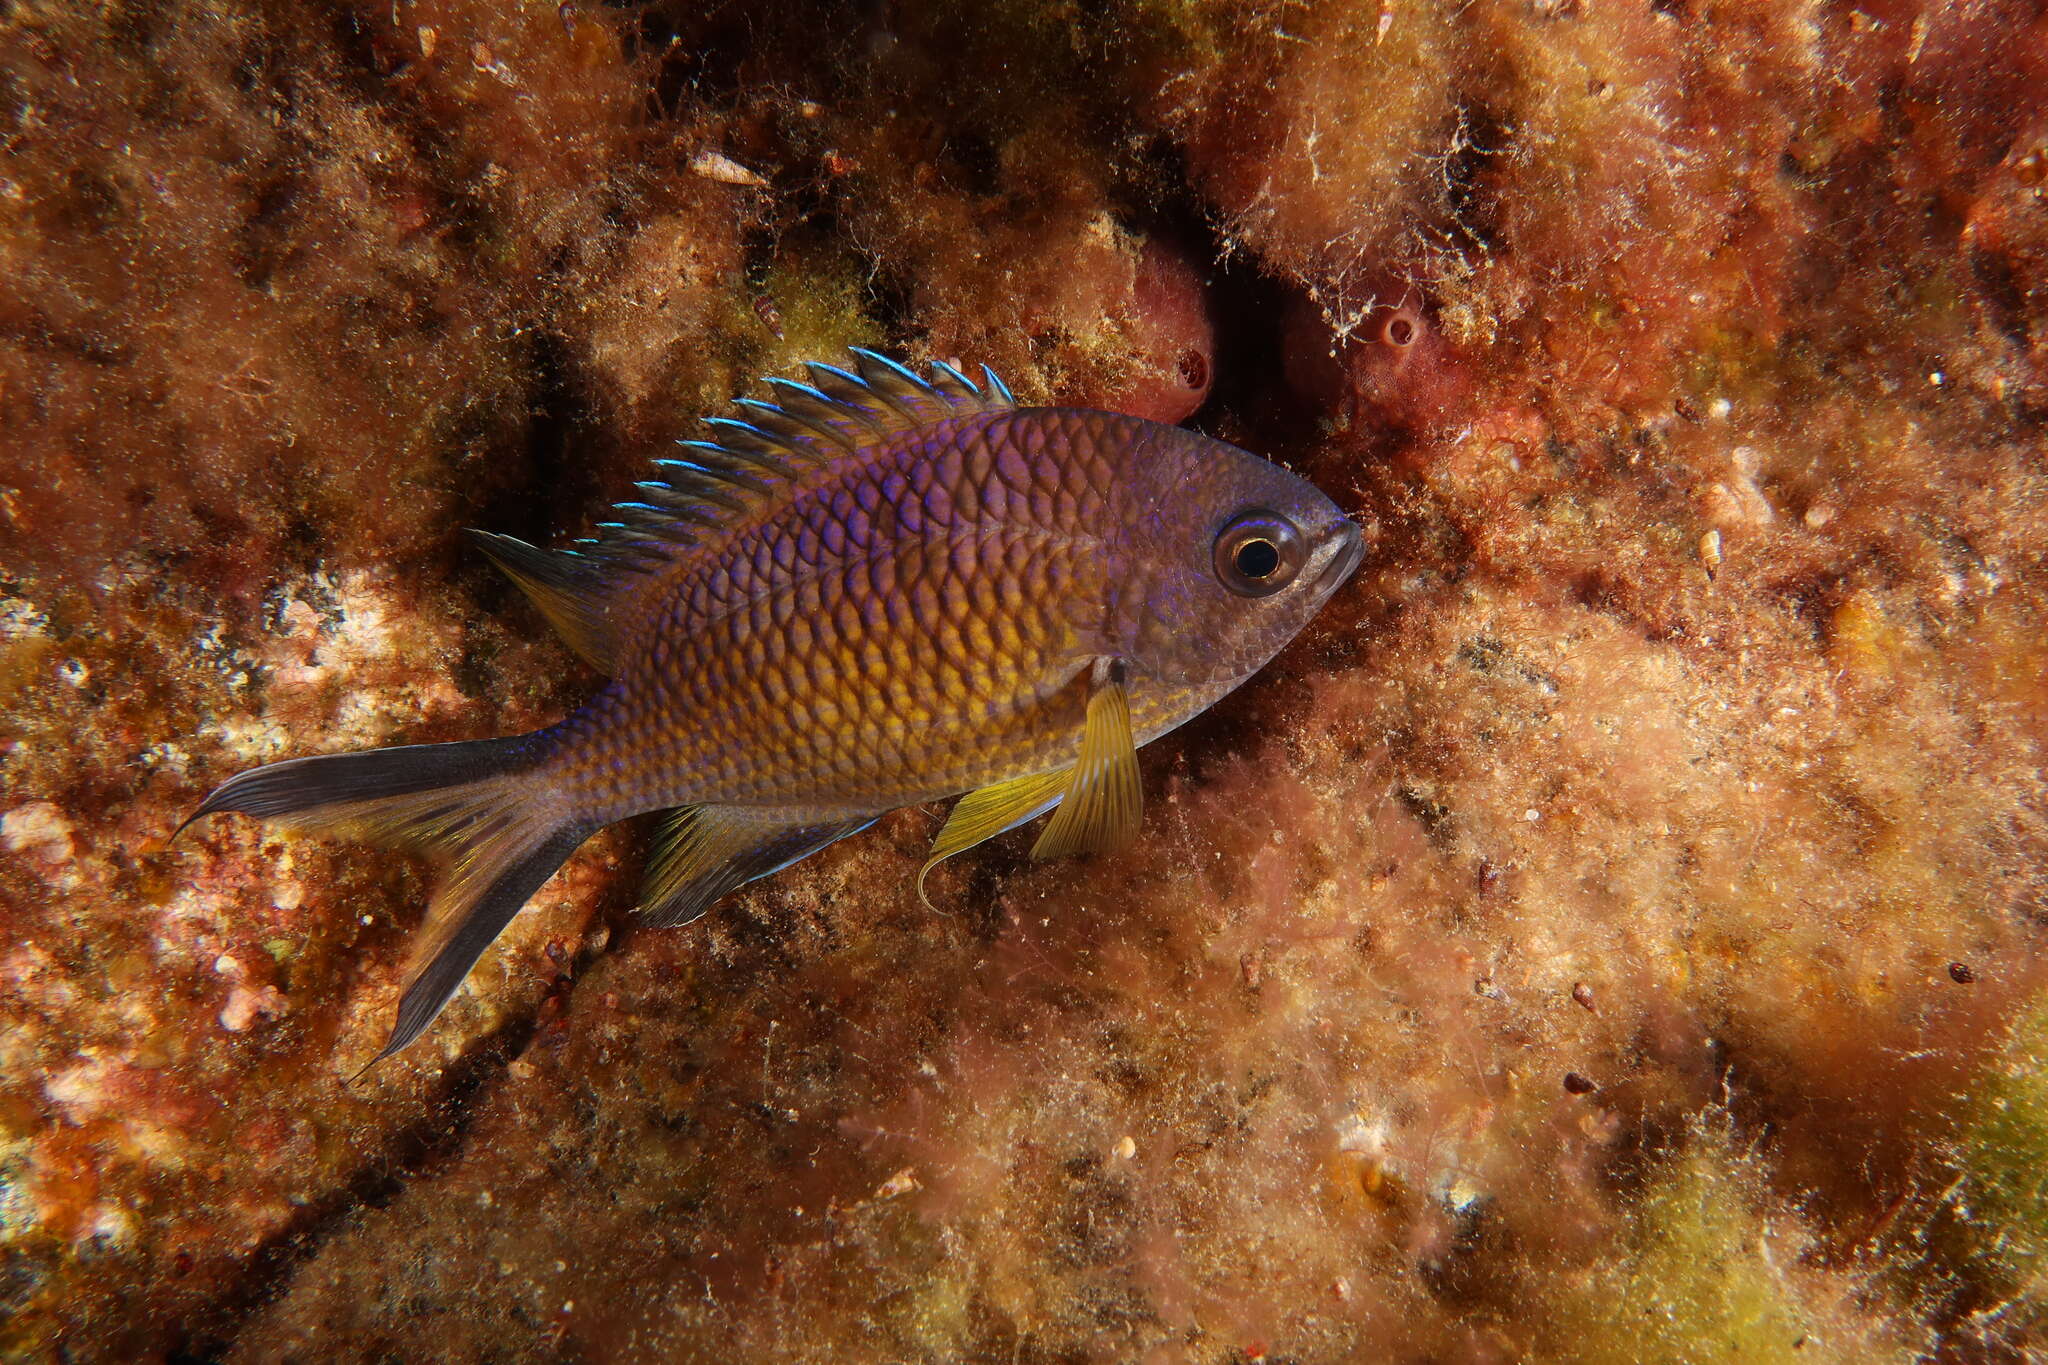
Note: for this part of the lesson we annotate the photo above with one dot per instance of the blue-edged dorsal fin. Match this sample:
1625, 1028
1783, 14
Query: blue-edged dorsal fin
750, 462
750, 459
879, 396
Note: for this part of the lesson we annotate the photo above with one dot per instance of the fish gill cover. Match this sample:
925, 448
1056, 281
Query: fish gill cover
1612, 931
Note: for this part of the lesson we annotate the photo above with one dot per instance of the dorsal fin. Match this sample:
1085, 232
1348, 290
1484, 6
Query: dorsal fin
582, 589
566, 588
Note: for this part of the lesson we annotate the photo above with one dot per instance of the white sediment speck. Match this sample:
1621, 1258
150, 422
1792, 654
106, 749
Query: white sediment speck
1459, 1194
81, 1088
1738, 500
112, 1226
40, 827
901, 1183
244, 1004
17, 1209
287, 892
164, 756
251, 739
19, 620
1363, 1133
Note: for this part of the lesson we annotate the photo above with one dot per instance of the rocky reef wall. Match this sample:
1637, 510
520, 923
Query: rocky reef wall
1614, 932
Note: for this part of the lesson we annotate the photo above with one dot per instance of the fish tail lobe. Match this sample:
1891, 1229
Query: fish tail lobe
482, 806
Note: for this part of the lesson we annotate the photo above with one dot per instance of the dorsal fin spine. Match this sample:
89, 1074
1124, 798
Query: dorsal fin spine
678, 506
705, 488
877, 358
645, 517
778, 383
736, 427
746, 440
681, 474
566, 586
709, 455
798, 419
962, 380
833, 373
889, 382
845, 392
806, 396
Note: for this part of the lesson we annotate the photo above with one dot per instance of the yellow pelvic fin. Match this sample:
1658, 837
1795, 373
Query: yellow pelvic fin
984, 814
703, 852
1104, 802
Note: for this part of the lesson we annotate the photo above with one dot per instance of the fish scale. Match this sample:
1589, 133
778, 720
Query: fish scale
882, 617
874, 647
878, 591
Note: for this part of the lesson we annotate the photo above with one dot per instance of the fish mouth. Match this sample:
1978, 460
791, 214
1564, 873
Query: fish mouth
1344, 560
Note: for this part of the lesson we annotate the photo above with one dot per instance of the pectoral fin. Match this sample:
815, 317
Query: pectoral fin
702, 852
984, 814
1104, 802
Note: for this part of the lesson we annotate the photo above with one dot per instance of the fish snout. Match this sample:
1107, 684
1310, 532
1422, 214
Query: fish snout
1345, 556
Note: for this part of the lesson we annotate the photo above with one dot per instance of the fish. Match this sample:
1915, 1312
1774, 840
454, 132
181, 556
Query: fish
870, 590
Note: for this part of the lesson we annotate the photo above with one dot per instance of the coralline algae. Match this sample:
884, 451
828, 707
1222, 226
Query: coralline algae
1613, 932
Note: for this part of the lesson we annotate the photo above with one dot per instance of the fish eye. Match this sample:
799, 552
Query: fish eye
1256, 559
1258, 553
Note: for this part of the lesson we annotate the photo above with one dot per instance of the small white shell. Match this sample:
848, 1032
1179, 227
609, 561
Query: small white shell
722, 168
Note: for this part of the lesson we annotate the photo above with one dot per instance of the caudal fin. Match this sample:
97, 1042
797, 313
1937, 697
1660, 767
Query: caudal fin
474, 803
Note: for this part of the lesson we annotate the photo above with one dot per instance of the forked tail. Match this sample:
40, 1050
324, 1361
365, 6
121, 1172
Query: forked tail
477, 804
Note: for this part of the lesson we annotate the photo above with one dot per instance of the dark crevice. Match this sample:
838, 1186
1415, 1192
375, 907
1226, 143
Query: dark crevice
2005, 292
888, 298
557, 487
418, 1151
1469, 189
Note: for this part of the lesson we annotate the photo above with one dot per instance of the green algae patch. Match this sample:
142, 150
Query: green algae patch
819, 298
1710, 1268
2004, 1150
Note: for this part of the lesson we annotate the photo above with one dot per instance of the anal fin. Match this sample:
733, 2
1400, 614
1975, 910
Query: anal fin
703, 852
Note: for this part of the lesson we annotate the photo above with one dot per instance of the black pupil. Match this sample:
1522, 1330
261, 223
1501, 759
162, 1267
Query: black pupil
1257, 558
